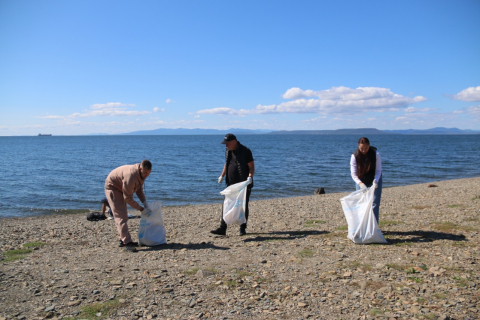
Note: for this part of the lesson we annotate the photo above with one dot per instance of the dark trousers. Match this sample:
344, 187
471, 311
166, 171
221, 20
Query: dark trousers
224, 225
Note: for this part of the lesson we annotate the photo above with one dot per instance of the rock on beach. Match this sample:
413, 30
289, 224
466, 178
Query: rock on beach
294, 263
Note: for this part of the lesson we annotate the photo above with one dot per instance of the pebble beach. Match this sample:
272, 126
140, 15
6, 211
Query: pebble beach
294, 263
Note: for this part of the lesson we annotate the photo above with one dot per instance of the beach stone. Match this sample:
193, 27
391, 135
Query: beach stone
205, 273
362, 284
414, 309
384, 289
436, 271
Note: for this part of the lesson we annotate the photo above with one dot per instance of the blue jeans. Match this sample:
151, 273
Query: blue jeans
377, 196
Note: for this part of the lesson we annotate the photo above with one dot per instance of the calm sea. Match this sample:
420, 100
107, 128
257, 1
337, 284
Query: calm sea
44, 175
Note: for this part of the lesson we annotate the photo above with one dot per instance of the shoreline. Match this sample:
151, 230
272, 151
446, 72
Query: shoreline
133, 211
294, 262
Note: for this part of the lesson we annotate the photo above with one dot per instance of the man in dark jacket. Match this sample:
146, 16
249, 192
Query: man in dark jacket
239, 167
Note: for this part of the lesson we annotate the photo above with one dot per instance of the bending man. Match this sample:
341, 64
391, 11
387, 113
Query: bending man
120, 186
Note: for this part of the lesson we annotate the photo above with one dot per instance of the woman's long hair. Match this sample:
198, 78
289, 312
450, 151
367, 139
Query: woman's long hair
363, 161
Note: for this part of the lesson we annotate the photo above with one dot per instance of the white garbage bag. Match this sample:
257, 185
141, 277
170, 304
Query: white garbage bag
362, 225
234, 203
151, 231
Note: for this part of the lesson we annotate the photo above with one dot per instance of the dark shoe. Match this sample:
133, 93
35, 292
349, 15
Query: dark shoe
219, 231
242, 232
133, 244
130, 247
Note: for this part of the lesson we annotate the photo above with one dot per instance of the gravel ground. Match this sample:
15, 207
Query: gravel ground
294, 263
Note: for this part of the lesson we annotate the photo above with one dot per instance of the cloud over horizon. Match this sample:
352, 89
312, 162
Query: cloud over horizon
331, 101
470, 94
103, 109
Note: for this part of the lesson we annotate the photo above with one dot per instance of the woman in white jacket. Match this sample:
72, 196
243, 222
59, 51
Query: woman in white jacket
366, 171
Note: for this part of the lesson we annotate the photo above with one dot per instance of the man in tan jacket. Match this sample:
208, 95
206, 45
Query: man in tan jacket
120, 186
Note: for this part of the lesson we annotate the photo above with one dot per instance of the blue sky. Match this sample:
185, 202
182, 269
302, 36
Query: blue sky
81, 67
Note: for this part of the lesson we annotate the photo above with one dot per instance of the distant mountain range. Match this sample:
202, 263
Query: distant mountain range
358, 131
372, 131
438, 130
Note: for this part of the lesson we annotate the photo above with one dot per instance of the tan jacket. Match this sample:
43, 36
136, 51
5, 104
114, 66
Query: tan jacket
127, 180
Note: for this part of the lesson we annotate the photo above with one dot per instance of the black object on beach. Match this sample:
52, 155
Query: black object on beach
96, 216
319, 191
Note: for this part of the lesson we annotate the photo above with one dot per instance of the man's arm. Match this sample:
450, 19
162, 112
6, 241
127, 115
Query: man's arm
251, 168
224, 172
128, 190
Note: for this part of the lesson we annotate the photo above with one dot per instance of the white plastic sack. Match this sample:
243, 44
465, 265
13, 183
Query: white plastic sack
362, 225
234, 203
151, 231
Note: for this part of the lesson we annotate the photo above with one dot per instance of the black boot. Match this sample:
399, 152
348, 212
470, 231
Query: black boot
219, 231
243, 230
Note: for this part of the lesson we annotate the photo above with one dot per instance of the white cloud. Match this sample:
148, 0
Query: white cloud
315, 119
103, 110
331, 101
475, 110
110, 105
170, 101
342, 93
469, 94
416, 110
228, 111
157, 109
51, 117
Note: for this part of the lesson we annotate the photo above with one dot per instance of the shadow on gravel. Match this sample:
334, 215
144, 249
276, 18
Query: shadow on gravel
189, 246
290, 235
421, 236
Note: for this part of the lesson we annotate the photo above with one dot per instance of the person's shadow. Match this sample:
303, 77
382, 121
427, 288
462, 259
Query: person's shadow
188, 246
421, 236
283, 235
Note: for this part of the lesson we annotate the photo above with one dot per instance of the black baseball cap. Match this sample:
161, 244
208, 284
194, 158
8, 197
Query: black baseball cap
228, 137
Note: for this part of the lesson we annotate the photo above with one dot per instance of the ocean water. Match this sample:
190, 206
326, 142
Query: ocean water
45, 175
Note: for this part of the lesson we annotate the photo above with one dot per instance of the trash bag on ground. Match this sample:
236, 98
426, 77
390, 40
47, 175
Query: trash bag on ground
362, 225
234, 203
151, 231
